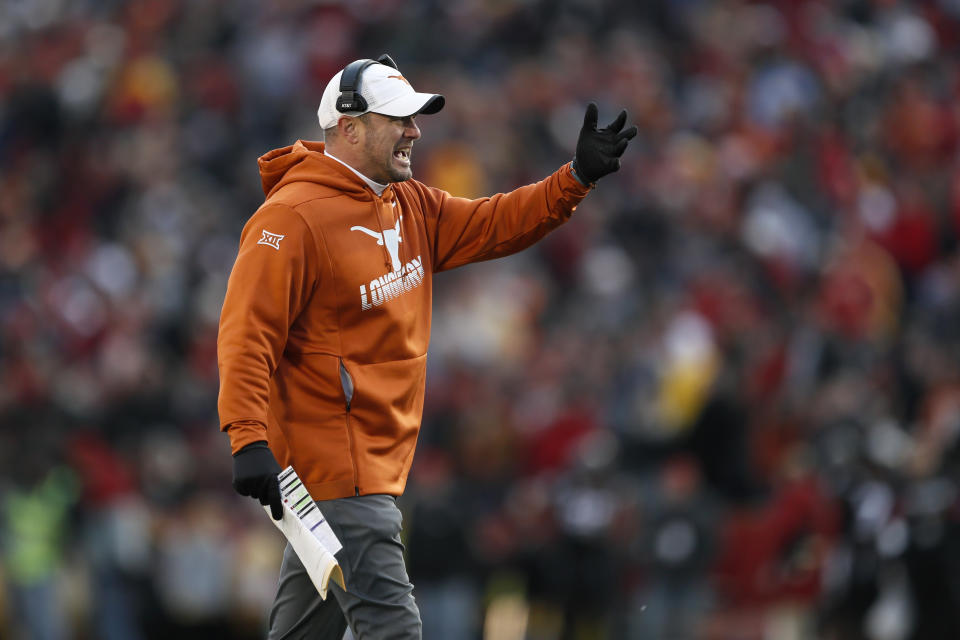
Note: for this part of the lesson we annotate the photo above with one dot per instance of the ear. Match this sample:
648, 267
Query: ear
349, 128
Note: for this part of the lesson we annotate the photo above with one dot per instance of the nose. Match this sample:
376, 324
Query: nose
410, 129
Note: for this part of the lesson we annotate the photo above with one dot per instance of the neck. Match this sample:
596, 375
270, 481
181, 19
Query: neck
375, 186
348, 155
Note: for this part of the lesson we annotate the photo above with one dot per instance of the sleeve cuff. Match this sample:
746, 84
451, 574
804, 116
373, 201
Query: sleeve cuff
245, 432
573, 172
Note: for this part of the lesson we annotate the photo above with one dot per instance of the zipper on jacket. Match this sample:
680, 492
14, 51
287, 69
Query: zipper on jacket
346, 381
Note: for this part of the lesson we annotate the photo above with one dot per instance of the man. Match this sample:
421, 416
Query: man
324, 330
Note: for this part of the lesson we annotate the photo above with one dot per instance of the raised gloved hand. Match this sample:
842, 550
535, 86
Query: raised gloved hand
255, 474
599, 150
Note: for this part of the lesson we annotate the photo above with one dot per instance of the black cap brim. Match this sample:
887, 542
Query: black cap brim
433, 105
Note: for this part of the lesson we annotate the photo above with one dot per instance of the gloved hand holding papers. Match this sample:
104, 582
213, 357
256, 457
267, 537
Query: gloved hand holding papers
308, 532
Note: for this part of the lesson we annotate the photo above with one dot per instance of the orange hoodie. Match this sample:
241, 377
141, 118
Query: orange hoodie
325, 326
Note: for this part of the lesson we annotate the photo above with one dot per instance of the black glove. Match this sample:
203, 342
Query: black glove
599, 150
255, 474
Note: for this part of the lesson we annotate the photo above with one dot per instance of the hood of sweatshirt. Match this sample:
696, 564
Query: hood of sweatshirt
304, 161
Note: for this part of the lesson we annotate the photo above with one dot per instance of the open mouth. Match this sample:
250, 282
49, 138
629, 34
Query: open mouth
403, 156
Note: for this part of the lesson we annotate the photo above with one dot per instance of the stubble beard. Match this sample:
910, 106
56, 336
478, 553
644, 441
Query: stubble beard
401, 175
398, 175
392, 173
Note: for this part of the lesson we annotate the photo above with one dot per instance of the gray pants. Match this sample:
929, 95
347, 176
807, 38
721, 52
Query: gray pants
378, 603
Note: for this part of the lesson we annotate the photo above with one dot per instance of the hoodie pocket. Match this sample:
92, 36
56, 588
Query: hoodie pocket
347, 383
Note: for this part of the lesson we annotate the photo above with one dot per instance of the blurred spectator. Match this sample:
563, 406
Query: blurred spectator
676, 553
116, 536
440, 531
35, 531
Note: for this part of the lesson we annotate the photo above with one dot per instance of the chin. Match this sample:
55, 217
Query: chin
400, 176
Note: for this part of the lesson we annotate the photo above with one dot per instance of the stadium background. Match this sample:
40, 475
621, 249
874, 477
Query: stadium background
722, 402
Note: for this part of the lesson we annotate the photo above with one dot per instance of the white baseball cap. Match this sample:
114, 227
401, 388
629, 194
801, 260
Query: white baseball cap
385, 91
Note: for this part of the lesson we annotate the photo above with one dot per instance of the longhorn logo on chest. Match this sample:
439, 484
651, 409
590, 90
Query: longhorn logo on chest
390, 237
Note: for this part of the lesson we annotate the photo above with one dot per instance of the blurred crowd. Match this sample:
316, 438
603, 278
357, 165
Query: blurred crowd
722, 403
